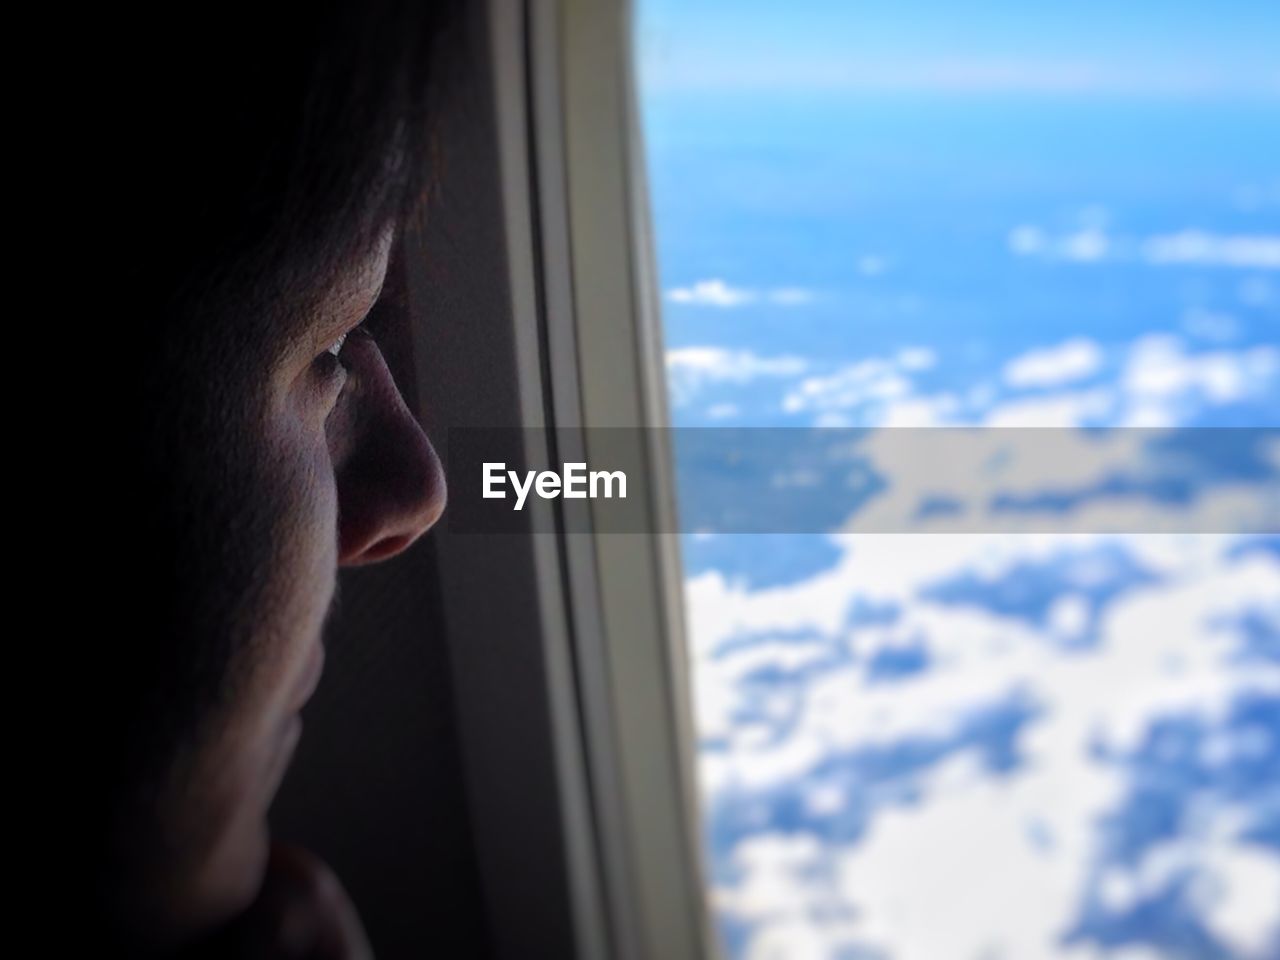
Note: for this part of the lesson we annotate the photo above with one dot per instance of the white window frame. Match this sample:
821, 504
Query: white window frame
609, 606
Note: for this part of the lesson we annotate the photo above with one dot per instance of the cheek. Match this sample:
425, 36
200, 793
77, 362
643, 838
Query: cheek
307, 563
249, 760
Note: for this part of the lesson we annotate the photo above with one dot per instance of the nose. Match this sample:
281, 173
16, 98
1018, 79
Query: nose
391, 487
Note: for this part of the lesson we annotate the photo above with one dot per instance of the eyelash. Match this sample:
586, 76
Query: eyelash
330, 362
336, 349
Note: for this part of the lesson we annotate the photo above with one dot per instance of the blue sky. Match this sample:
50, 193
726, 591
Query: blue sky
1141, 47
1006, 214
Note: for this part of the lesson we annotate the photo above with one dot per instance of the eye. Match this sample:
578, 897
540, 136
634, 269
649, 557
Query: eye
330, 369
336, 349
332, 357
363, 329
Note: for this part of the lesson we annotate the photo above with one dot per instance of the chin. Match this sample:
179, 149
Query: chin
238, 862
232, 878
186, 903
227, 877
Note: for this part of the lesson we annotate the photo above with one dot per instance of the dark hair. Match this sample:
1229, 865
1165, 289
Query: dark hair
259, 142
244, 152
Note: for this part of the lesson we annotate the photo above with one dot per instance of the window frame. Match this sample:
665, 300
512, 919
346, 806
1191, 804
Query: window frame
577, 735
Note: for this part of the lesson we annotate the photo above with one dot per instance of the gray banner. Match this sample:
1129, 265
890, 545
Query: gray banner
899, 480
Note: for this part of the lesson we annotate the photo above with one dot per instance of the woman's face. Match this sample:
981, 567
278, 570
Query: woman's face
349, 478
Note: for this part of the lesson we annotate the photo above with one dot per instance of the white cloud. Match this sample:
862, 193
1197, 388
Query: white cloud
905, 886
872, 388
934, 410
851, 386
786, 880
1054, 366
1241, 906
738, 366
711, 293
690, 368
1025, 240
1085, 246
790, 296
876, 389
1209, 325
872, 266
1053, 410
1159, 369
1093, 244
718, 293
1256, 251
917, 358
1160, 381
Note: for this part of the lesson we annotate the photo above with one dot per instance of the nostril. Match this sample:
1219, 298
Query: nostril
388, 502
385, 549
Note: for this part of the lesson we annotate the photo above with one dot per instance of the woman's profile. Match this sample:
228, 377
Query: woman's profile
262, 169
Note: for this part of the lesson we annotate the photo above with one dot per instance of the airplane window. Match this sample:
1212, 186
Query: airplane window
972, 339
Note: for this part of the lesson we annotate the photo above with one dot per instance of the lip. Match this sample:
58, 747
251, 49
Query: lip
309, 679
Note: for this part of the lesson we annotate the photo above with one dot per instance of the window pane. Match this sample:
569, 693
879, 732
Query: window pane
1062, 743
